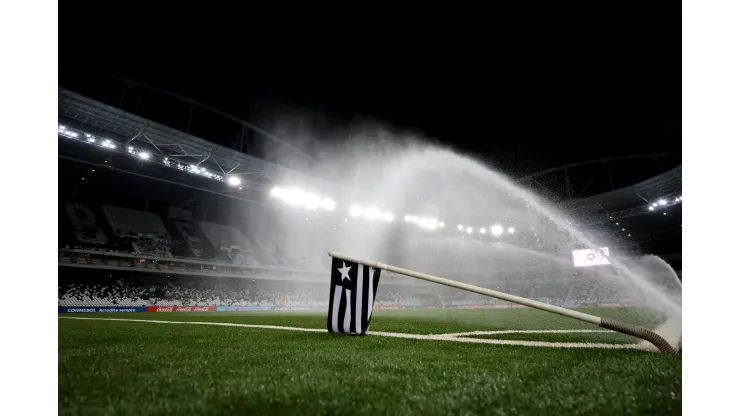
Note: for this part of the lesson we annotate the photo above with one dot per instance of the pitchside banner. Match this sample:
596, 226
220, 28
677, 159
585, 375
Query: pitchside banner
96, 309
180, 309
242, 308
267, 308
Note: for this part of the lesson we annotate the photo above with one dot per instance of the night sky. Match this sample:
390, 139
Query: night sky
524, 100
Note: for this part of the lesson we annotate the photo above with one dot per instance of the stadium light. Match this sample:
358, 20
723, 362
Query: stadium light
328, 204
651, 208
497, 230
294, 196
372, 213
144, 155
388, 216
355, 211
482, 230
512, 230
662, 202
233, 180
469, 230
311, 201
430, 223
427, 222
459, 227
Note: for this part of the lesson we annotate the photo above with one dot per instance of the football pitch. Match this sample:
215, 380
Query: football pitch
415, 361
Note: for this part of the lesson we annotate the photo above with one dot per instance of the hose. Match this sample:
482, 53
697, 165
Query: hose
639, 332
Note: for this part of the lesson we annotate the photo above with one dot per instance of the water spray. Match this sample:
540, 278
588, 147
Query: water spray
636, 331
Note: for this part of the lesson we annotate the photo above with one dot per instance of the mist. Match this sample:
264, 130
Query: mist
370, 165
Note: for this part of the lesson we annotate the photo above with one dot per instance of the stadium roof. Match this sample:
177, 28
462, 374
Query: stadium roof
120, 132
629, 201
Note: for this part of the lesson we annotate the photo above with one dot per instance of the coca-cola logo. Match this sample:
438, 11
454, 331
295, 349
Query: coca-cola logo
164, 309
184, 309
201, 309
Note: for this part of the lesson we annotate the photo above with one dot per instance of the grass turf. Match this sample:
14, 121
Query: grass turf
110, 367
593, 337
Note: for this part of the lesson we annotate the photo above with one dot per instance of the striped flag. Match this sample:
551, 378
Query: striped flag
351, 296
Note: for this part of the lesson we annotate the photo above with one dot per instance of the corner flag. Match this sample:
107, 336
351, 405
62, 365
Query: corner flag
351, 296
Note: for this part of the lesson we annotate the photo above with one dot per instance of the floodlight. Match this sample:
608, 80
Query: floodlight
311, 201
355, 211
294, 196
328, 204
372, 213
233, 180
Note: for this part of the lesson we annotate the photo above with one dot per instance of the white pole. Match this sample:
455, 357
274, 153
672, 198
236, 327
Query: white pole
472, 288
635, 331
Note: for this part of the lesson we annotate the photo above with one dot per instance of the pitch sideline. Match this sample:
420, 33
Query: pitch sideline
454, 337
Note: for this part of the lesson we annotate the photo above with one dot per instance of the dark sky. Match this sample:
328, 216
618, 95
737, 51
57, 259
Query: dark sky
538, 95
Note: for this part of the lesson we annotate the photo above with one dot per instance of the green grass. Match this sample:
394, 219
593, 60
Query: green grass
594, 337
110, 367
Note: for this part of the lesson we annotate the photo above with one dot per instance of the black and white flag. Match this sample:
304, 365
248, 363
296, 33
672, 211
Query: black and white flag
351, 296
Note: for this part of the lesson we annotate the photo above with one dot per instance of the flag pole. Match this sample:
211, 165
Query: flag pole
629, 329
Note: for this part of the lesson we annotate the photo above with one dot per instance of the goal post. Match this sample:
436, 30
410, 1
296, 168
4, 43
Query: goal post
612, 324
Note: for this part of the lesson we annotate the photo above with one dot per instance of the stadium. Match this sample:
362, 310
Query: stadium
194, 277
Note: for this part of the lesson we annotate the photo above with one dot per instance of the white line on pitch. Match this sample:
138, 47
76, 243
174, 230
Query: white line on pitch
286, 328
442, 337
528, 331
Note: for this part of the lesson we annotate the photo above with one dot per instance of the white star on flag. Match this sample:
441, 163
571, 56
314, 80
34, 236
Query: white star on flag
345, 271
